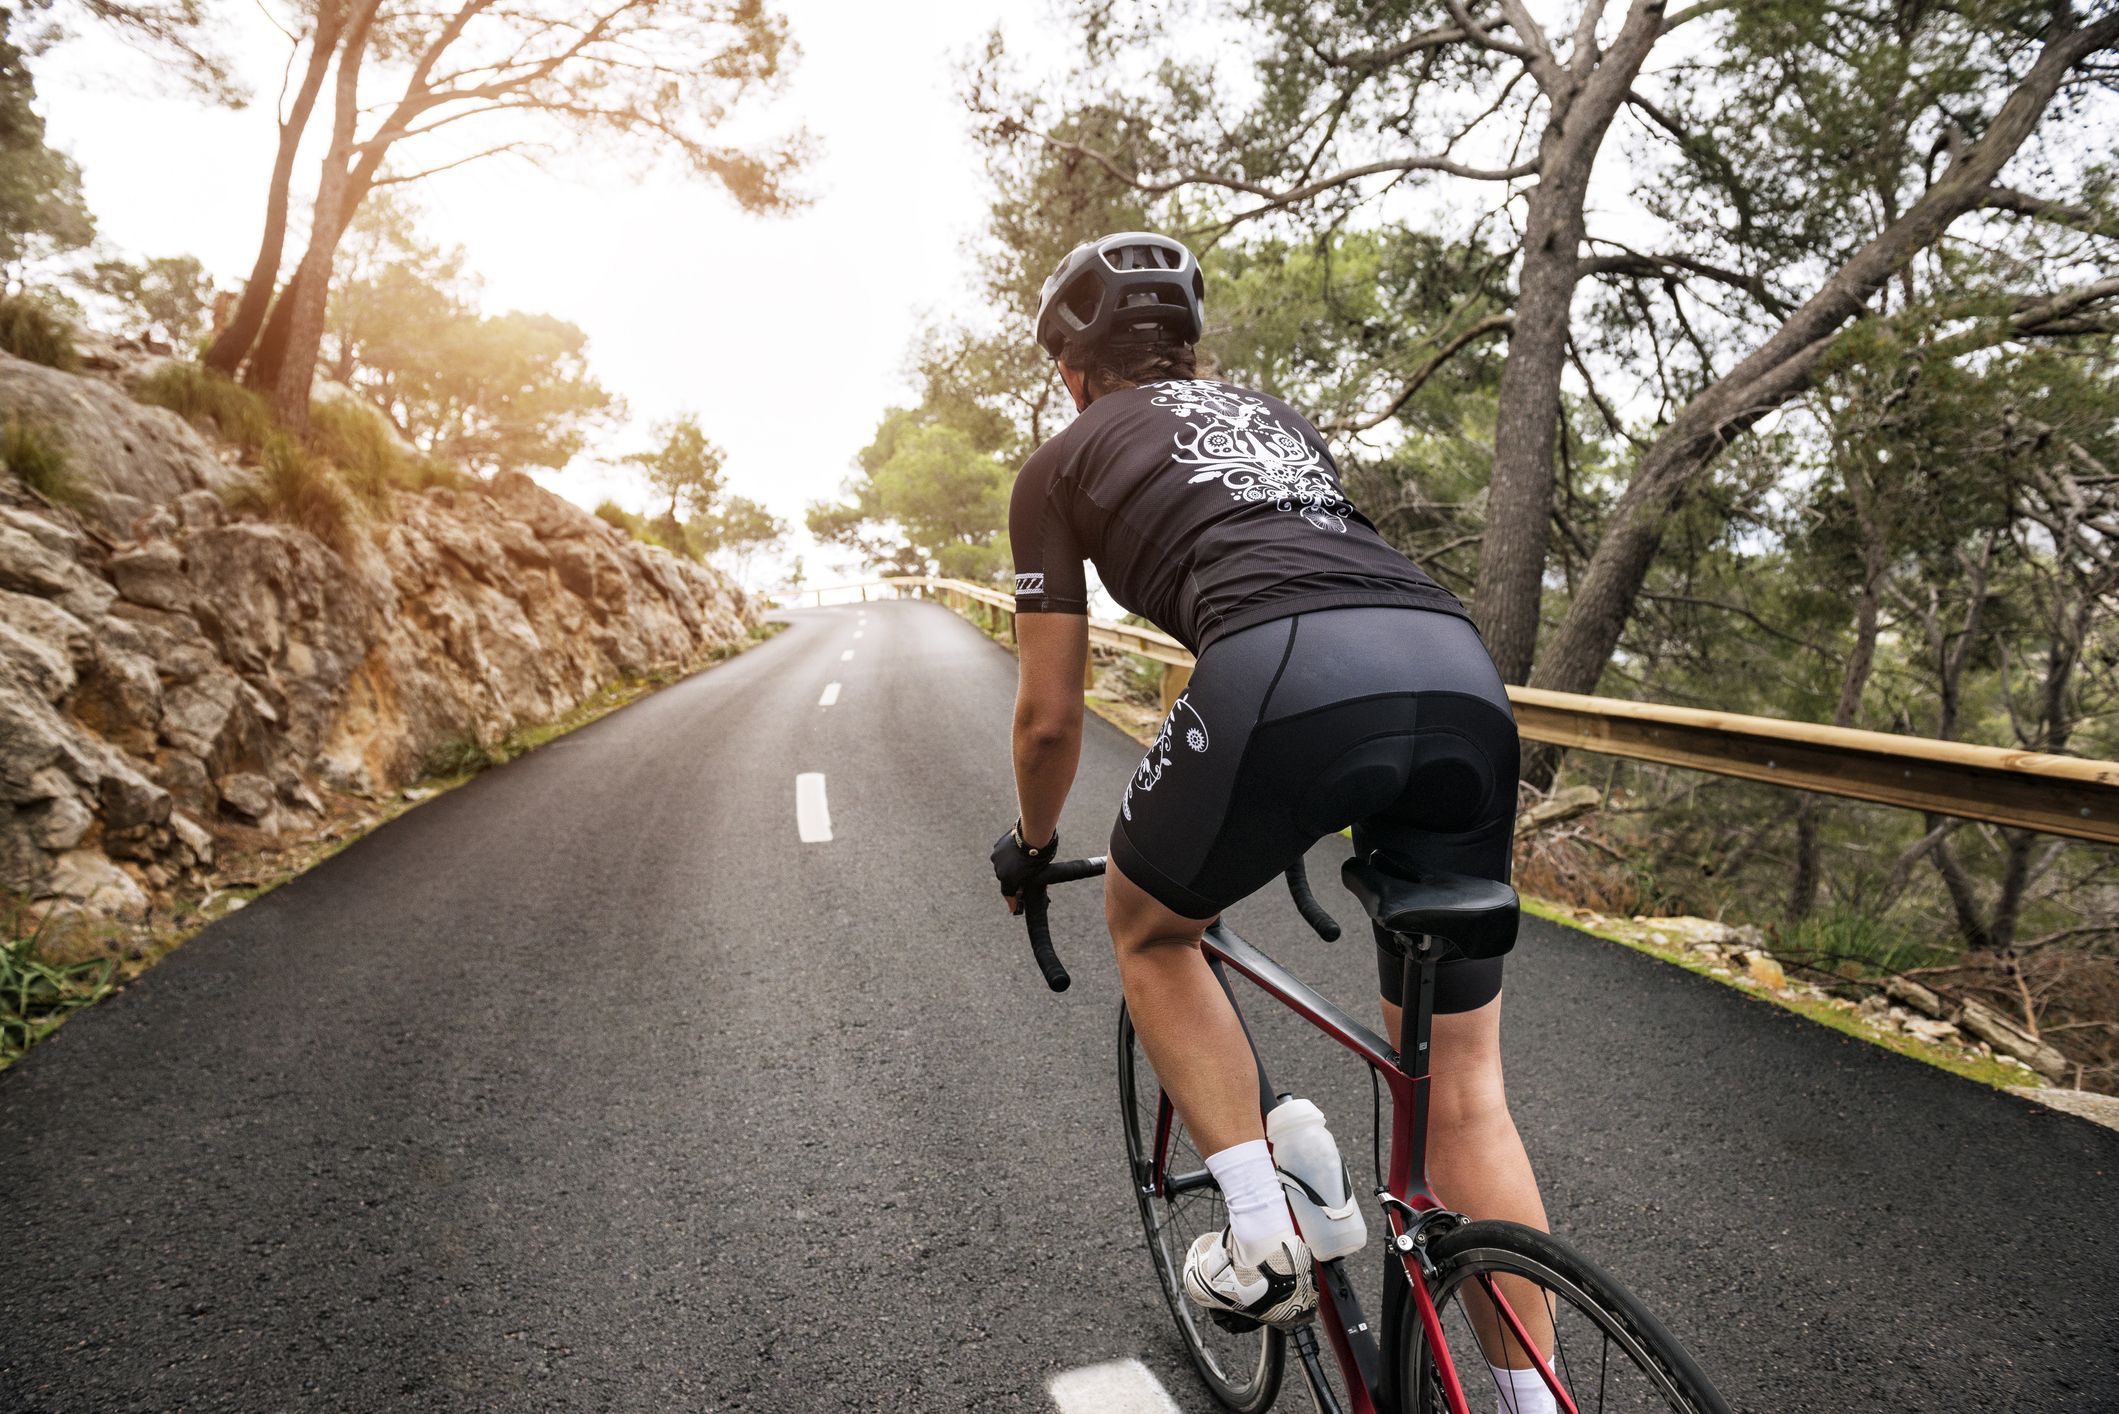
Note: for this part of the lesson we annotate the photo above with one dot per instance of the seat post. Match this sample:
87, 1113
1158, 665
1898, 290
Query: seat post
1417, 1022
1415, 1030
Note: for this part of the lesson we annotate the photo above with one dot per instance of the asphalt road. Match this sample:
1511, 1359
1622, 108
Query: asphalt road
588, 1086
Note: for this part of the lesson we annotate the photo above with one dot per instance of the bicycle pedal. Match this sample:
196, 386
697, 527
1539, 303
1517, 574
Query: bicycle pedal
1233, 1323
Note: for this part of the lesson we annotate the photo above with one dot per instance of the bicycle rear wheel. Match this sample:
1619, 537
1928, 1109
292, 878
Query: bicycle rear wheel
1609, 1353
1242, 1369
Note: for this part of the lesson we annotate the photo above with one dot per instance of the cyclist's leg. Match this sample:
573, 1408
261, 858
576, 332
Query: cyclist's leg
1182, 1016
1169, 824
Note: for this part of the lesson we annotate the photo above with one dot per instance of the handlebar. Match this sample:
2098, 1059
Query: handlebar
1066, 871
1325, 926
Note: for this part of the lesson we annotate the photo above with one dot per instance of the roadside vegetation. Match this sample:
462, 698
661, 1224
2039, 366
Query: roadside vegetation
29, 330
37, 995
34, 454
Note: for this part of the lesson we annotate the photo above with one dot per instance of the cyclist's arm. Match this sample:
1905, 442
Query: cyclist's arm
1048, 716
1052, 635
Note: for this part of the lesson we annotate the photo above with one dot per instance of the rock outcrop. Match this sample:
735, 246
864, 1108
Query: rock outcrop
170, 673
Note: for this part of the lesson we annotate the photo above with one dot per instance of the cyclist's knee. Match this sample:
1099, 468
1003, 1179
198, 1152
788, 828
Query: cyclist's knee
1139, 922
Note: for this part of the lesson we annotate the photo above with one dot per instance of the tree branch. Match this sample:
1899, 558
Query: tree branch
2040, 208
1651, 266
1492, 323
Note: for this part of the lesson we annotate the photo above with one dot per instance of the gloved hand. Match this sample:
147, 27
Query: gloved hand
1017, 865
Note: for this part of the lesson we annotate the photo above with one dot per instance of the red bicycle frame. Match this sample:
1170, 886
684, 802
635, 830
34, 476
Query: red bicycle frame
1410, 1205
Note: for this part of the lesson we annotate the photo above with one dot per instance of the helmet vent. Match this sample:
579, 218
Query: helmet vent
1082, 297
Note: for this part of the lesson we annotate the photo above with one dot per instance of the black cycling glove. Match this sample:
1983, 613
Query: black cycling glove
1016, 864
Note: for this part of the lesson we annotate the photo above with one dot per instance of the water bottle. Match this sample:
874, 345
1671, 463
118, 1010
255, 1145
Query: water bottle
1315, 1179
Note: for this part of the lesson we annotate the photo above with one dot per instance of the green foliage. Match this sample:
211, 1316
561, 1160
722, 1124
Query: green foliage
42, 209
30, 330
37, 458
735, 532
312, 481
294, 485
928, 495
354, 438
1856, 942
685, 470
169, 295
490, 391
36, 996
461, 756
671, 535
211, 402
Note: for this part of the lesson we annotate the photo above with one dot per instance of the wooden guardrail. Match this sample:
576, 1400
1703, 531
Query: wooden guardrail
2059, 795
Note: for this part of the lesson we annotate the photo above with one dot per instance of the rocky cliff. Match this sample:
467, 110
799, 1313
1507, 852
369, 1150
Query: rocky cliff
172, 675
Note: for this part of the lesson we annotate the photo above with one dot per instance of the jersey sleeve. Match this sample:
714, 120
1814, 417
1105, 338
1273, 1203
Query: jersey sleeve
1048, 556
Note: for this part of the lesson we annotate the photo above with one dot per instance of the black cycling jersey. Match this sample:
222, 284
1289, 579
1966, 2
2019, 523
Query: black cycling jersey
1207, 508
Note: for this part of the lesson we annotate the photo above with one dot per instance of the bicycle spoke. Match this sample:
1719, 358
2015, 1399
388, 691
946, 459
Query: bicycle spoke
1597, 1361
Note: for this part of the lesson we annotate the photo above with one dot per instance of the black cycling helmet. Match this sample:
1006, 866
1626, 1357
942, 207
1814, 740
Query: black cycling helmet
1134, 287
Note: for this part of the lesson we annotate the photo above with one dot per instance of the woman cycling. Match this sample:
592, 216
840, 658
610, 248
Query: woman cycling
1336, 685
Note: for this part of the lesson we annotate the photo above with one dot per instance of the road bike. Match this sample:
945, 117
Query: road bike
1460, 1296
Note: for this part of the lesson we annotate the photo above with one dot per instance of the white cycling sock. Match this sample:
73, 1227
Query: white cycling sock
1250, 1187
1522, 1392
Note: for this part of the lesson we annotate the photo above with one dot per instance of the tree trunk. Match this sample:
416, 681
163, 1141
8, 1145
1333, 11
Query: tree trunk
233, 340
1583, 97
304, 300
1779, 369
1509, 591
1853, 681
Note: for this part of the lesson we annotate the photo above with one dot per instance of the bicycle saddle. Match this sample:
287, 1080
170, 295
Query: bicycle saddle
1477, 917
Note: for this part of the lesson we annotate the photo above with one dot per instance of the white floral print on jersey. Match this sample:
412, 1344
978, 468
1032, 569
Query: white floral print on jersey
1233, 438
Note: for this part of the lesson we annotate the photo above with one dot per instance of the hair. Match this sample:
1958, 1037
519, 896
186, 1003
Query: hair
1111, 366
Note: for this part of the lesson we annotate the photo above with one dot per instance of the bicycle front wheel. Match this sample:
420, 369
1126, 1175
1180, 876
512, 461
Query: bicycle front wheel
1515, 1297
1241, 1368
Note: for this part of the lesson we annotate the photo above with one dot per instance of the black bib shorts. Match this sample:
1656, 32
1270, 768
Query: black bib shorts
1390, 720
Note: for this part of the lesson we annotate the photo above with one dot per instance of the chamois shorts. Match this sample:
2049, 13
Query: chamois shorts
1389, 720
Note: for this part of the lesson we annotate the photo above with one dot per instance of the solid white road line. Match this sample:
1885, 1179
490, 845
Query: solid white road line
847, 656
831, 695
812, 812
1115, 1387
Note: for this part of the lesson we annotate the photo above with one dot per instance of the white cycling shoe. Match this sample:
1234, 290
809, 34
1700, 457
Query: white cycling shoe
1280, 1291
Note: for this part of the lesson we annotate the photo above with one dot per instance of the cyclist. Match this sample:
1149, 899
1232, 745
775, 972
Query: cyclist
1336, 685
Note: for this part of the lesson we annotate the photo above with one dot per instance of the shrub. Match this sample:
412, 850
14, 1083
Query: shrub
29, 330
35, 995
36, 456
205, 399
461, 756
292, 485
1835, 936
360, 444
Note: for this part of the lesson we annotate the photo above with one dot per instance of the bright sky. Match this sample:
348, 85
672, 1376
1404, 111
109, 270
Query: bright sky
788, 336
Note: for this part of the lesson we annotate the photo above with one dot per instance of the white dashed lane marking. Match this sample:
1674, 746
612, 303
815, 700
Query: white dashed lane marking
847, 656
1114, 1387
831, 695
812, 811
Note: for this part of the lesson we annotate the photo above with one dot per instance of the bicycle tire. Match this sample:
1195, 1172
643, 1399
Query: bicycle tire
1242, 1370
1667, 1377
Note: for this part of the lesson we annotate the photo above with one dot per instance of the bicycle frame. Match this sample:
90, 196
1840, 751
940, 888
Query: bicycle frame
1410, 1206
